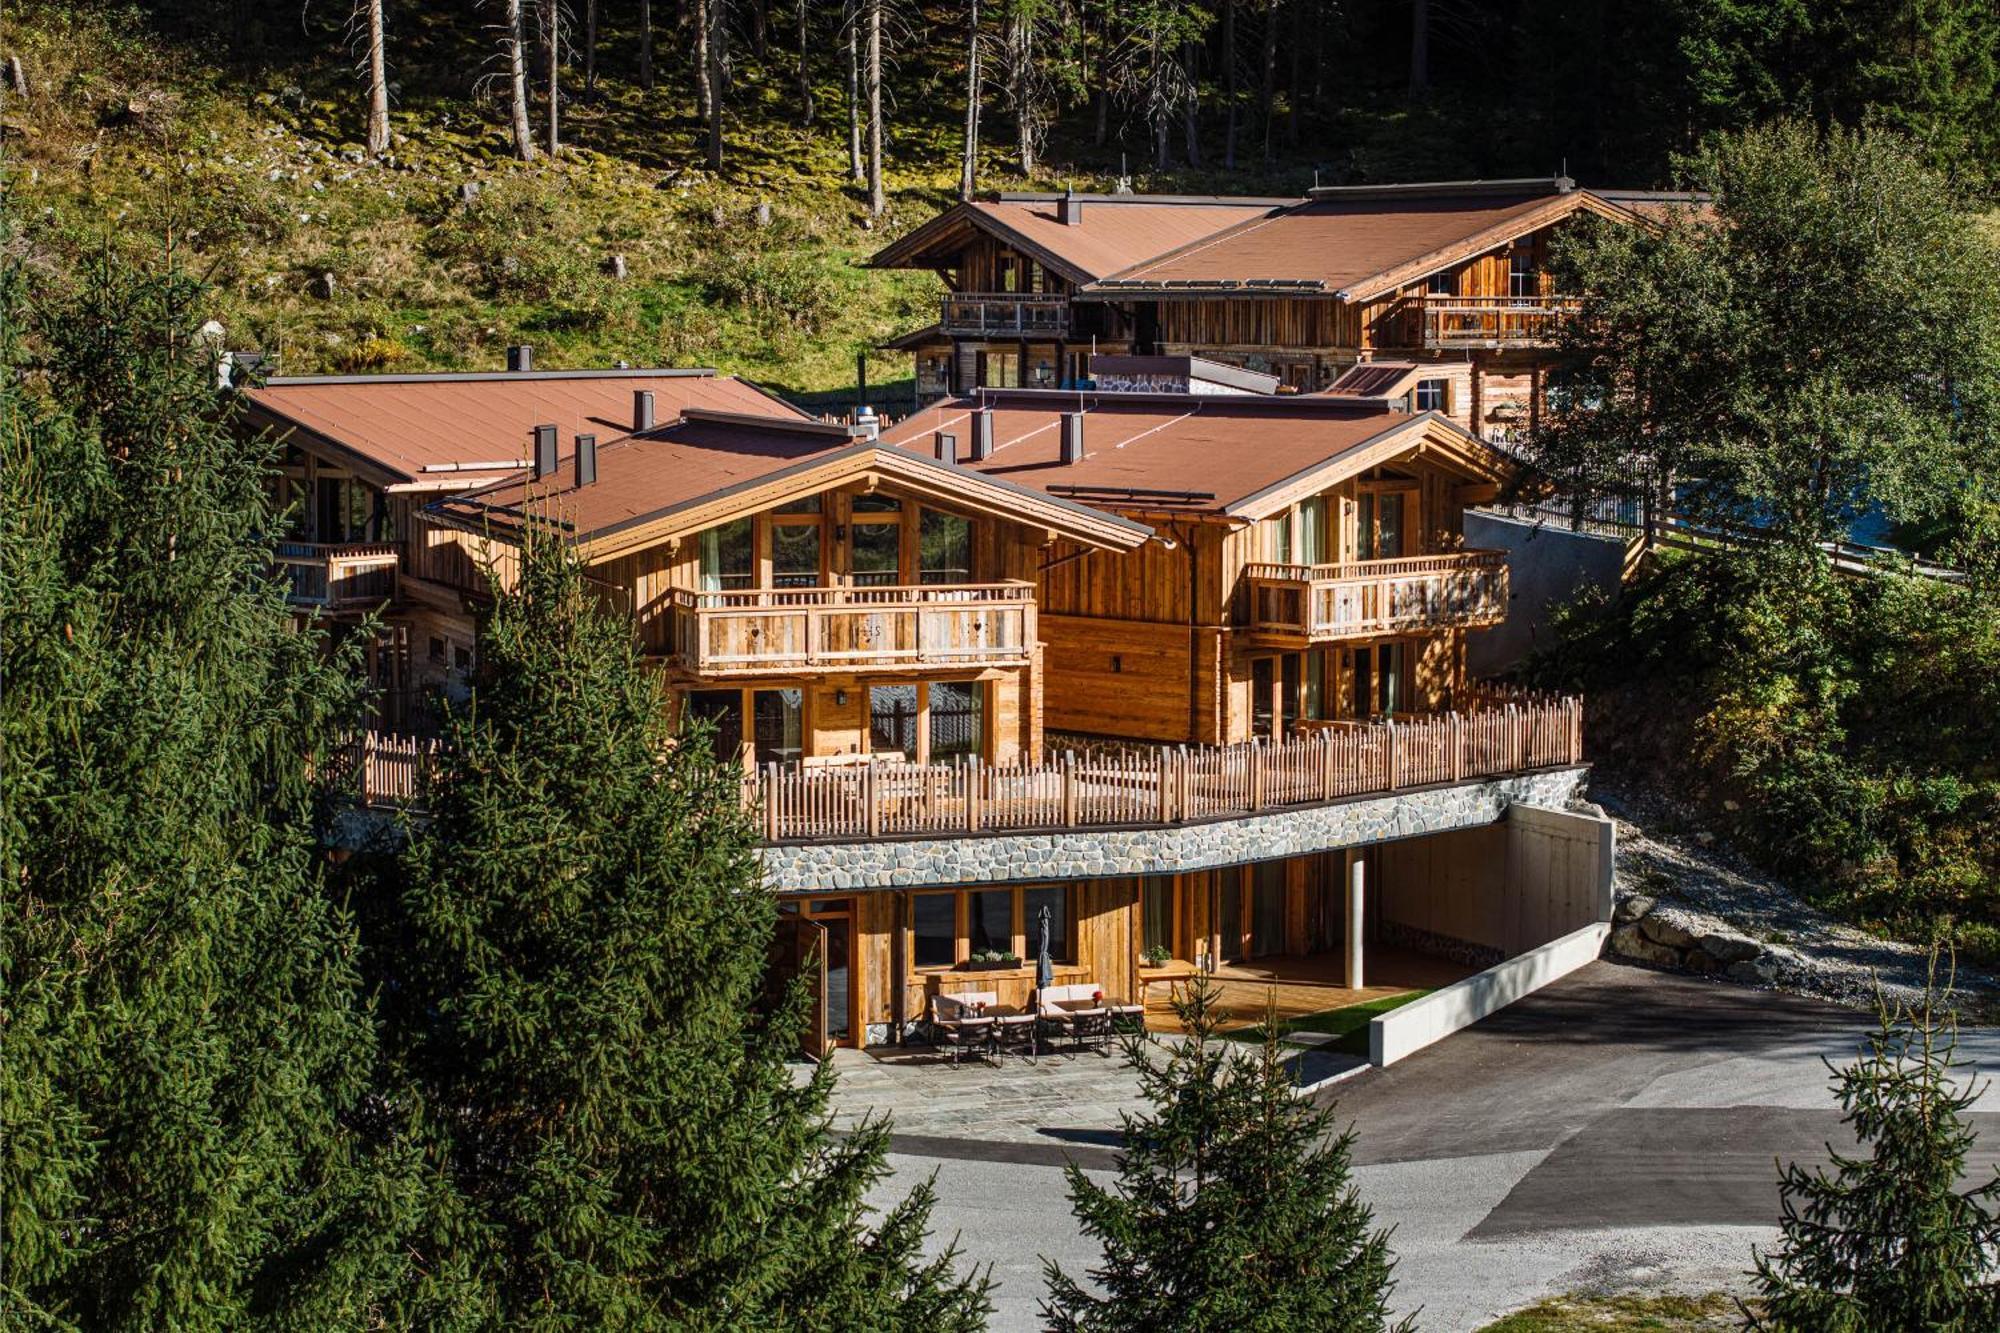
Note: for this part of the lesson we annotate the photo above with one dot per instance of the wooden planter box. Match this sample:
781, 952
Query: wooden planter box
988, 967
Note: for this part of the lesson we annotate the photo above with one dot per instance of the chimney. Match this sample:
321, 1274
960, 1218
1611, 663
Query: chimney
1069, 209
520, 357
982, 434
545, 451
642, 410
1072, 437
947, 447
586, 460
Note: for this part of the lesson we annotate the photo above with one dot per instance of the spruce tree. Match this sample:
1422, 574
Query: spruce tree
614, 1136
1889, 1240
183, 1034
1234, 1208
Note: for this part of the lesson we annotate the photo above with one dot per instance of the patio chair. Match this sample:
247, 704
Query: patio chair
1060, 1023
963, 1035
1015, 1034
959, 1006
1128, 1018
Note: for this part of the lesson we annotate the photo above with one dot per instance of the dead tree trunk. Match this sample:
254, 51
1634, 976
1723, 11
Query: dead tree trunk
1026, 107
589, 49
516, 42
646, 44
968, 170
552, 34
1229, 88
878, 200
378, 84
1269, 91
855, 170
1420, 48
716, 20
805, 67
1191, 120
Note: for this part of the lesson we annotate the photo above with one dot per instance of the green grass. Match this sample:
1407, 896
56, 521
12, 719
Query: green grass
1348, 1023
1622, 1314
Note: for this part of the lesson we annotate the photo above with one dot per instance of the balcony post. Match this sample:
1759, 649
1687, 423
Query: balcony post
1163, 770
1389, 751
1326, 752
1457, 748
773, 821
1256, 775
871, 808
972, 794
1069, 789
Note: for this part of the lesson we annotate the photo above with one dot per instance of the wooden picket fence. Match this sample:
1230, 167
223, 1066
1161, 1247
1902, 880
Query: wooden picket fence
1165, 786
386, 769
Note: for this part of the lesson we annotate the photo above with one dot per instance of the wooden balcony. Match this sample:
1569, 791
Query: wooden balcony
1492, 321
337, 577
1320, 603
1004, 315
820, 630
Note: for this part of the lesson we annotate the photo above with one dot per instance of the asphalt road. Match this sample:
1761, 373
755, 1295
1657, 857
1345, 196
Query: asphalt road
1619, 1129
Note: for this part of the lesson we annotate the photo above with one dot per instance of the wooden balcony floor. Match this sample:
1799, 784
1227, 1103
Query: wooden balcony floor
1311, 984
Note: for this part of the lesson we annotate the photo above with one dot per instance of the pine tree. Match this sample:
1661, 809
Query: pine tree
615, 1137
1233, 1209
184, 1036
1889, 1240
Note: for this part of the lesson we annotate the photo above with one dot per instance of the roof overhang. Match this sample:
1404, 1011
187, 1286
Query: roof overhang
959, 488
1431, 437
1552, 210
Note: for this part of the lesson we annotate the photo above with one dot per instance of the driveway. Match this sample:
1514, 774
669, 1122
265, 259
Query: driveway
1618, 1129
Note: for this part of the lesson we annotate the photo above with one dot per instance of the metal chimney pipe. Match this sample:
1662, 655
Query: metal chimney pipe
982, 434
520, 357
947, 447
586, 460
545, 451
642, 410
1072, 437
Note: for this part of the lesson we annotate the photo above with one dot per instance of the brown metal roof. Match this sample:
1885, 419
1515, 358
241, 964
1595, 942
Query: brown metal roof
1115, 231
1374, 379
1151, 452
1333, 245
402, 424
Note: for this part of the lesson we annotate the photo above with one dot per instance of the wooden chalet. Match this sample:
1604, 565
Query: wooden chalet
1450, 280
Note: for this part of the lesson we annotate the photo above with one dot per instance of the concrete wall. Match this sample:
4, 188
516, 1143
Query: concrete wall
1406, 1030
1546, 566
1503, 889
1001, 858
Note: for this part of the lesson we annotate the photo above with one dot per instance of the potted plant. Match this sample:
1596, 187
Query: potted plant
990, 960
1158, 955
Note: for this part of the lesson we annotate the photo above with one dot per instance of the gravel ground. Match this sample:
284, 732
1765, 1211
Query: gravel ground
1706, 890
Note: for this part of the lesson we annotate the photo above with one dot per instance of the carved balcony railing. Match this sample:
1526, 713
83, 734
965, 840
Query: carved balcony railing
1004, 315
1492, 321
1364, 598
351, 575
716, 634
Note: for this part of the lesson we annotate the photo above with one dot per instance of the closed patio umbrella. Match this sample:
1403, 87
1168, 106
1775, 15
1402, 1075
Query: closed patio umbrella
1045, 970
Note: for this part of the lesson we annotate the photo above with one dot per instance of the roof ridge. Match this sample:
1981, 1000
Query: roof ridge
488, 376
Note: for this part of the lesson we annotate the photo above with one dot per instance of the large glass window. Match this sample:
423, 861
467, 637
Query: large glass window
1262, 675
958, 723
1522, 280
1267, 908
795, 555
877, 550
1290, 669
1055, 898
944, 548
1278, 537
780, 725
1230, 927
728, 556
1309, 540
1002, 370
722, 710
1379, 534
1317, 686
990, 920
1378, 680
934, 929
892, 720
1156, 912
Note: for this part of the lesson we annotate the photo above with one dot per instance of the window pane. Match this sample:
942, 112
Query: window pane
957, 727
1288, 690
1391, 676
727, 560
1442, 284
1315, 701
1389, 542
1230, 928
878, 549
1056, 899
892, 719
808, 505
780, 724
1364, 527
1157, 913
1364, 683
990, 920
723, 709
1267, 908
1311, 535
1430, 396
1261, 677
874, 502
933, 930
795, 555
945, 548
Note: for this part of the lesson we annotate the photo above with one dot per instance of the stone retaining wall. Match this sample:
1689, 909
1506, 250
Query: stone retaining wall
1004, 858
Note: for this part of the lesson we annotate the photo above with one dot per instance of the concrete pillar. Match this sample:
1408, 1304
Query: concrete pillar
1355, 918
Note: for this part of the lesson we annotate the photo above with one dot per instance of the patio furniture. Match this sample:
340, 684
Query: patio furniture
960, 1035
951, 1014
1092, 1029
1176, 974
1015, 1034
1127, 1017
1060, 1008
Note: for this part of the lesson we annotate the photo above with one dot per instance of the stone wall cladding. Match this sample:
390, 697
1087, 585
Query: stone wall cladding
1006, 858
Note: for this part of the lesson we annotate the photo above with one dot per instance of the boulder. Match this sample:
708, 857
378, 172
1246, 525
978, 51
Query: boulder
1754, 971
324, 286
1663, 931
1631, 942
1632, 908
1728, 949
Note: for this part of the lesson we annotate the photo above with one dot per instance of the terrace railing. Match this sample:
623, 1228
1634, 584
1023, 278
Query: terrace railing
1492, 321
1004, 314
1362, 598
1167, 786
344, 575
840, 629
